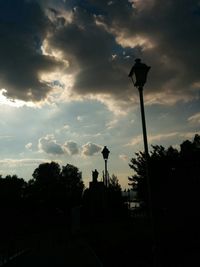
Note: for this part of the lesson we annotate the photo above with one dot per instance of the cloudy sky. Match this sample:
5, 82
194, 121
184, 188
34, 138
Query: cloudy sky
64, 86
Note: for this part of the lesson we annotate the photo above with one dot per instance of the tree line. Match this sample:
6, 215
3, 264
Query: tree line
42, 202
54, 189
48, 198
174, 175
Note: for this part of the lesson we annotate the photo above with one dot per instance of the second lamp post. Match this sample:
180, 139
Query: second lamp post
105, 152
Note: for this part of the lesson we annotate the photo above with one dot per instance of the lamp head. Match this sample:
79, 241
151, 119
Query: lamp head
139, 71
105, 153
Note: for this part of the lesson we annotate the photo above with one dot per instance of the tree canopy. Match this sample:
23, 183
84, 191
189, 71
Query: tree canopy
174, 176
56, 186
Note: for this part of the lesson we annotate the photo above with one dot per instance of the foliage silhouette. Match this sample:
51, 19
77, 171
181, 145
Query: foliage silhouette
175, 185
44, 200
45, 203
44, 185
71, 181
114, 184
56, 188
11, 196
115, 200
174, 176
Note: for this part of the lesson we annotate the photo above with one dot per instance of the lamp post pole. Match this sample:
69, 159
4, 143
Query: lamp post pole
140, 89
140, 71
106, 173
146, 151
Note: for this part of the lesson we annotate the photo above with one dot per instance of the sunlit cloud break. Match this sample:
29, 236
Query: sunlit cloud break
152, 138
195, 119
17, 162
90, 149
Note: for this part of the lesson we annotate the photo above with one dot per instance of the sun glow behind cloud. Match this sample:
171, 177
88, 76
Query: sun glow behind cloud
134, 41
55, 53
13, 102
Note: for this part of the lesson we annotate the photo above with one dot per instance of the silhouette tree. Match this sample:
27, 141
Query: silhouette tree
115, 199
138, 180
54, 187
11, 191
174, 176
44, 185
11, 203
114, 183
72, 184
46, 173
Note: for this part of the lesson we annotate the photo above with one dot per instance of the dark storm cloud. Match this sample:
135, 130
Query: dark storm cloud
171, 28
163, 33
91, 52
100, 39
23, 27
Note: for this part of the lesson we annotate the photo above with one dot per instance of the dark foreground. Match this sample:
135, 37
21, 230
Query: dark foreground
109, 243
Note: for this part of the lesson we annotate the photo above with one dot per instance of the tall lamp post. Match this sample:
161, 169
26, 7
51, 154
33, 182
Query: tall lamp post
140, 70
138, 75
105, 152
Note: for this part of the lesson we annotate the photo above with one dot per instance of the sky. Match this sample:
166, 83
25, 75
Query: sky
64, 86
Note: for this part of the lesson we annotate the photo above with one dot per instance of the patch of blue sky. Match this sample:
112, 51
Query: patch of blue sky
86, 5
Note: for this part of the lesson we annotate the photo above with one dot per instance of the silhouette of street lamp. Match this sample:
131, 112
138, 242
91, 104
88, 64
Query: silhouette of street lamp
140, 70
105, 152
138, 75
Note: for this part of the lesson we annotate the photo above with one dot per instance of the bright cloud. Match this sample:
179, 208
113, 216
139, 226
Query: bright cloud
195, 119
49, 145
111, 124
158, 137
17, 162
71, 147
90, 149
29, 146
123, 157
